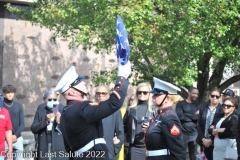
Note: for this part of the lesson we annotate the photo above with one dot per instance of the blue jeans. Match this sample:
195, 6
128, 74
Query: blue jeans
17, 149
2, 157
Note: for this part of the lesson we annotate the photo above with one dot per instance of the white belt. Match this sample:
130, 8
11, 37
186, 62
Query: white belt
90, 145
159, 152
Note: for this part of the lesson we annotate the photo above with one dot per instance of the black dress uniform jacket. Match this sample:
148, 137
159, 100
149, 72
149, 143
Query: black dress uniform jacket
165, 133
39, 127
82, 122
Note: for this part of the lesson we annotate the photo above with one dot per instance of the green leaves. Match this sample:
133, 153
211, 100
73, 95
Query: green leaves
167, 38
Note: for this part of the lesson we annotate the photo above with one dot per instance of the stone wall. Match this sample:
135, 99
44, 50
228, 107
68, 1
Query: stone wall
33, 64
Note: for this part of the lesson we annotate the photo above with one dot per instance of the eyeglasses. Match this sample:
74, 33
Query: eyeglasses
144, 92
102, 93
52, 100
226, 105
212, 96
77, 81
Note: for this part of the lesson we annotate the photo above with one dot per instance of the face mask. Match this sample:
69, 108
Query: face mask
51, 103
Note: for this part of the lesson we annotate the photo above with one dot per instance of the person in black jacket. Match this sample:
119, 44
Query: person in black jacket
81, 120
163, 137
227, 94
113, 131
238, 101
207, 114
42, 106
188, 111
225, 129
138, 111
50, 140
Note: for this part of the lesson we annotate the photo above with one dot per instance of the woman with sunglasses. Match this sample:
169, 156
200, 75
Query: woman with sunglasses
50, 141
163, 137
209, 113
139, 111
224, 130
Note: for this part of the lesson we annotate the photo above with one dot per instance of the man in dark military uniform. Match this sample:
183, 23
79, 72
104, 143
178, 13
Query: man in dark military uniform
163, 137
81, 121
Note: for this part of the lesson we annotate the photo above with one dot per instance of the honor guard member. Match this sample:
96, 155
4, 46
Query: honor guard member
81, 121
163, 137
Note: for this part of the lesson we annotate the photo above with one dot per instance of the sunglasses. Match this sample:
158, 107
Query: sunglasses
212, 96
52, 100
226, 105
144, 92
102, 93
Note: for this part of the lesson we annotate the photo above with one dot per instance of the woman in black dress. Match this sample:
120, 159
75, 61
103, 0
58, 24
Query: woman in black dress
141, 108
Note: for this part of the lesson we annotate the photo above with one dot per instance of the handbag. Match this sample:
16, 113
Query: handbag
231, 151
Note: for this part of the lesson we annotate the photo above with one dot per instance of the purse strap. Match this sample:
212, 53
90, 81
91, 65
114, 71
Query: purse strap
233, 144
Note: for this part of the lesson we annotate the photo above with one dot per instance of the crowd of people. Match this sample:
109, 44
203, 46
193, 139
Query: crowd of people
95, 129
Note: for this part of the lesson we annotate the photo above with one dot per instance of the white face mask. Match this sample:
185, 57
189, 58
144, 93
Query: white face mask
51, 103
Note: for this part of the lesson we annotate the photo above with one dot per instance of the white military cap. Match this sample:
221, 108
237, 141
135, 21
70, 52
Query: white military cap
162, 87
68, 78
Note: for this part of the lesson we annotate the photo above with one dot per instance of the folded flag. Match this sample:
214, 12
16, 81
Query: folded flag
122, 45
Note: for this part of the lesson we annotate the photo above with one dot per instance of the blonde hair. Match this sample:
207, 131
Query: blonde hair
175, 98
149, 101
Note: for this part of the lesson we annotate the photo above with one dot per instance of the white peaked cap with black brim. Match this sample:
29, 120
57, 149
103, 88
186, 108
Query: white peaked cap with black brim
162, 87
68, 78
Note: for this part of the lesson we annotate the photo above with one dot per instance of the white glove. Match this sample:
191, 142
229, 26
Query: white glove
125, 70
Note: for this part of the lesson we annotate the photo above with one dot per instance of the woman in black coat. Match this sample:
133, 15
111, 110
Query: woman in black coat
207, 114
50, 141
225, 129
140, 110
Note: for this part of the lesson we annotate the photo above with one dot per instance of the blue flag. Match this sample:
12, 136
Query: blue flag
122, 45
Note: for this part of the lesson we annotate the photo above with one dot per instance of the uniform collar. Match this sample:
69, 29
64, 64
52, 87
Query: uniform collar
164, 109
71, 102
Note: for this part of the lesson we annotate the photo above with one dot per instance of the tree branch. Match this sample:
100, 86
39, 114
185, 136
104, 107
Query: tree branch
217, 75
230, 81
202, 80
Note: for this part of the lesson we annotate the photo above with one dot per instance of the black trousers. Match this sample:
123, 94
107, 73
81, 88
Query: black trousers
189, 141
192, 148
208, 152
126, 152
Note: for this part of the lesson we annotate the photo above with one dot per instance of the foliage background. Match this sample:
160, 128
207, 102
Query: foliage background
178, 41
